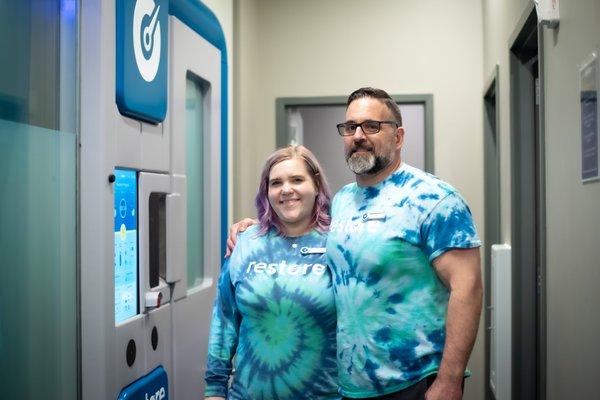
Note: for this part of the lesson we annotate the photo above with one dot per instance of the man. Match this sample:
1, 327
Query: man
405, 261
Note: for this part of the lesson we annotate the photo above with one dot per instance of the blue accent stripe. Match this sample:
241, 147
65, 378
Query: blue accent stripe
203, 21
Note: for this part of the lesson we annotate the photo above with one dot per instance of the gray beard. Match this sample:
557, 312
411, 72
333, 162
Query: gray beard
367, 164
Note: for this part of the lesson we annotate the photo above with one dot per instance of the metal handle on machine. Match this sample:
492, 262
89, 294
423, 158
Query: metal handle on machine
176, 236
154, 189
153, 299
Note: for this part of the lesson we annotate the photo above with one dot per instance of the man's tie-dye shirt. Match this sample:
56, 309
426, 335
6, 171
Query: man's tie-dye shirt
391, 304
275, 312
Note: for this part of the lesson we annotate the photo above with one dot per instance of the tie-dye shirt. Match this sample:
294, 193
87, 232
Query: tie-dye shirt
391, 304
275, 312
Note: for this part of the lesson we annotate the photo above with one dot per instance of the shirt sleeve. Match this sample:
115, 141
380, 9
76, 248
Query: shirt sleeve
223, 338
449, 226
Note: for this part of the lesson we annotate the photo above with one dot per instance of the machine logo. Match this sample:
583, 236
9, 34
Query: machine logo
159, 395
142, 46
146, 38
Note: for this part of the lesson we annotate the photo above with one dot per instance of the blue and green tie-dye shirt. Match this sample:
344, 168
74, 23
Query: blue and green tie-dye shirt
391, 304
275, 312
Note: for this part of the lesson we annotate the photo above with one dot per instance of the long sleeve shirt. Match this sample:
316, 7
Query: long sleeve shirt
275, 313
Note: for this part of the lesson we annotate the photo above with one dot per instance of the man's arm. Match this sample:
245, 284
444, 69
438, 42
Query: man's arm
460, 271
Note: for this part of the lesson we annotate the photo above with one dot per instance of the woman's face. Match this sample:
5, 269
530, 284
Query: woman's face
292, 194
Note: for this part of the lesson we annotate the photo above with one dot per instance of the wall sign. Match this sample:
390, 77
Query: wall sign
142, 47
589, 118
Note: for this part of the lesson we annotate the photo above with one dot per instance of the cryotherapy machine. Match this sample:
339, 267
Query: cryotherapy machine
153, 195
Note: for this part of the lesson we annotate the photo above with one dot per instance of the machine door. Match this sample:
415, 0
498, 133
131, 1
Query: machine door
145, 211
194, 120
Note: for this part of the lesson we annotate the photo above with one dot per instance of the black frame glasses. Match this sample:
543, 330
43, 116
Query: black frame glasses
369, 127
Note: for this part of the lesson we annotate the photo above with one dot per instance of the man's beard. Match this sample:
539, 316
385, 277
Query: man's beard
367, 163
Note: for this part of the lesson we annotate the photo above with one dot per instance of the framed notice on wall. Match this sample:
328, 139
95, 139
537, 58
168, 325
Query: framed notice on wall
588, 75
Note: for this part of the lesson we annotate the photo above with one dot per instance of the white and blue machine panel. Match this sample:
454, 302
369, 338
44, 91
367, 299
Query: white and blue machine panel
133, 96
141, 55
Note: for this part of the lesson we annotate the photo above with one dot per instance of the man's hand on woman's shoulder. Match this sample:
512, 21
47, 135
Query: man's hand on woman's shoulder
236, 228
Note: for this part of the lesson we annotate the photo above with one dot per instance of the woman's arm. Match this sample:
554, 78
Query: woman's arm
223, 338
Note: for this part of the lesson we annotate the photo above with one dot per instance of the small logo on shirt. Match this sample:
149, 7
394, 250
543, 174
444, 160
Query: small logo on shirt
283, 268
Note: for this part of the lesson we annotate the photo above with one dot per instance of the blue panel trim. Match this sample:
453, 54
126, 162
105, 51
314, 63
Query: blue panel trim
153, 386
203, 21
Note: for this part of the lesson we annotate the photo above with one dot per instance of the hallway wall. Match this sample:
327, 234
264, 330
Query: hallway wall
325, 48
573, 219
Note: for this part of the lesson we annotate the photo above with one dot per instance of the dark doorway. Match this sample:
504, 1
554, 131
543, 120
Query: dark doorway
527, 222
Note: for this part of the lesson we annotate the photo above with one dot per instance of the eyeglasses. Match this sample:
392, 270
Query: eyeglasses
369, 127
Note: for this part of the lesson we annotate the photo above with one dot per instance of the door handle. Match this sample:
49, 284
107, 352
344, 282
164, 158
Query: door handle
176, 236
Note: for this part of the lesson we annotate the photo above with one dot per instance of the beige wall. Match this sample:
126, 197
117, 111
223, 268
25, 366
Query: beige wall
247, 135
573, 217
313, 48
322, 48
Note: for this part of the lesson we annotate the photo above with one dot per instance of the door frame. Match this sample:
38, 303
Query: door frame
491, 163
282, 134
527, 287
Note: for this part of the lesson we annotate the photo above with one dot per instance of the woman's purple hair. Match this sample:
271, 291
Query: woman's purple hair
320, 218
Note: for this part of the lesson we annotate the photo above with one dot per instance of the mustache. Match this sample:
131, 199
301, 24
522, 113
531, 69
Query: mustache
355, 148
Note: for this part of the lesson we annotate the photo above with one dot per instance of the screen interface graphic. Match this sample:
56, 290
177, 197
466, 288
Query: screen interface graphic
126, 254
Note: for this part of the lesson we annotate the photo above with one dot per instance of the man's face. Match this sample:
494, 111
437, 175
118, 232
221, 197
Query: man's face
368, 154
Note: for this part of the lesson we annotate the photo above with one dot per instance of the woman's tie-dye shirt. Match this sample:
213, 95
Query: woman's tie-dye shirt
391, 305
275, 312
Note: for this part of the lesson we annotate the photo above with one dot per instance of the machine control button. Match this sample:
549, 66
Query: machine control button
154, 338
130, 352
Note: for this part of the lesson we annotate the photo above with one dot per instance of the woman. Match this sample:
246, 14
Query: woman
274, 309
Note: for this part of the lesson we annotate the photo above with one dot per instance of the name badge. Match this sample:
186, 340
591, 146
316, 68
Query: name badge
374, 216
312, 250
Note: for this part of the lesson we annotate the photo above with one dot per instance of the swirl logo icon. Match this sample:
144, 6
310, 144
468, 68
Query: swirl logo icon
146, 38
